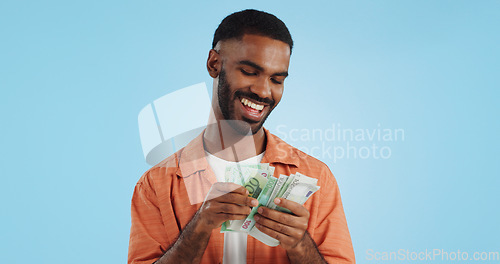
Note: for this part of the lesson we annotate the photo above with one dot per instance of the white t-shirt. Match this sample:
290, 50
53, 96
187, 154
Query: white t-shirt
235, 243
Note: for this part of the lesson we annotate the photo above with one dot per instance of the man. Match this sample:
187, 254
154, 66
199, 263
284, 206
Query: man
179, 205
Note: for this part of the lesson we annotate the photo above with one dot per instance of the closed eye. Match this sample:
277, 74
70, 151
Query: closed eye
276, 81
248, 73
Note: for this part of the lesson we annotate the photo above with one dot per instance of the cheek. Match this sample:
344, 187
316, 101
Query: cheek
277, 94
239, 81
233, 76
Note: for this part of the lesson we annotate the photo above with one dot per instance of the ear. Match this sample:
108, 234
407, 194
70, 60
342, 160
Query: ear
213, 63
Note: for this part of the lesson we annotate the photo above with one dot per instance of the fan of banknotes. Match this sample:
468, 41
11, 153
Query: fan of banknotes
258, 179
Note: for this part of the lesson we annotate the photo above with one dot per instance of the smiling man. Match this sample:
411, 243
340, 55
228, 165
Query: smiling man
179, 205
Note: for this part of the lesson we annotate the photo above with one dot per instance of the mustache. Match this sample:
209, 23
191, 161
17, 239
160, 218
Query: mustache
255, 97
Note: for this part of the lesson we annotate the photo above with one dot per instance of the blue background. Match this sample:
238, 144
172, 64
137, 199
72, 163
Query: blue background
75, 74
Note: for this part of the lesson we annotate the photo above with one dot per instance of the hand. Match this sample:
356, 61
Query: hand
289, 229
225, 201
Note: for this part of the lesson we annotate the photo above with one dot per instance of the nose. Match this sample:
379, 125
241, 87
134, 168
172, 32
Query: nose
262, 88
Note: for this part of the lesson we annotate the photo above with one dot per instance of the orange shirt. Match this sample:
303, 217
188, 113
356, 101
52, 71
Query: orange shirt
169, 194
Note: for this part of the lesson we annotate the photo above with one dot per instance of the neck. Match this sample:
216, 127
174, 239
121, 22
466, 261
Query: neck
221, 140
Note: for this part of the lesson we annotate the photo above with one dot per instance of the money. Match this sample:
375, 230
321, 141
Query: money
263, 198
281, 180
297, 188
256, 183
290, 182
263, 186
264, 238
239, 174
255, 177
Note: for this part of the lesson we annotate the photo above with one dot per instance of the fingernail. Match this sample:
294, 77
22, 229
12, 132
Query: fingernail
255, 203
260, 210
277, 200
247, 192
256, 217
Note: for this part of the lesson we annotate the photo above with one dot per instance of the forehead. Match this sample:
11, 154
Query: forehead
271, 54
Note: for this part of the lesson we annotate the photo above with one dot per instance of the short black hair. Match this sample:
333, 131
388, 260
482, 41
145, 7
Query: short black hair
251, 21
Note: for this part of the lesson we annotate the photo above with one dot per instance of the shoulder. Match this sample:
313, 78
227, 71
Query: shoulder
305, 163
163, 172
293, 154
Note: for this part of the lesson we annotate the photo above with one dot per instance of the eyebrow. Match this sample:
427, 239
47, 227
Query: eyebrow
260, 68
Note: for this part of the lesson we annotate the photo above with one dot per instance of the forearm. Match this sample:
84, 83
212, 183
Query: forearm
305, 252
190, 245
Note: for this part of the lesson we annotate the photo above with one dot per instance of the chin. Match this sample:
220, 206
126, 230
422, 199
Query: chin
256, 128
244, 127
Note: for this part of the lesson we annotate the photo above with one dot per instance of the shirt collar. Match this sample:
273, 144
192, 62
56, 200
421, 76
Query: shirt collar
191, 159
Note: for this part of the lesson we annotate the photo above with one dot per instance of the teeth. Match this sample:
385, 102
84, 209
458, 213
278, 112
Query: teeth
255, 106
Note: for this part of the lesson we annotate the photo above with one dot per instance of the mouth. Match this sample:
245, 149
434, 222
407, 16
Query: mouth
251, 109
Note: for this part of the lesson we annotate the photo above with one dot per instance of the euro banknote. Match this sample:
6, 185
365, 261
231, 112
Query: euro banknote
254, 178
262, 185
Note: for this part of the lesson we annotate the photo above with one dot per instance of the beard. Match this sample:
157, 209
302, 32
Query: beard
226, 105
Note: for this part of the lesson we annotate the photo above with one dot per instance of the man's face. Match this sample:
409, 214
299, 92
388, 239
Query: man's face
251, 80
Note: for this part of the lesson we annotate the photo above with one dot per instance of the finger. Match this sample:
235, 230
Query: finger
228, 187
279, 227
227, 208
282, 238
222, 188
283, 218
226, 217
236, 198
296, 208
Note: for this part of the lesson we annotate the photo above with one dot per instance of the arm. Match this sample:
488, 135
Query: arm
225, 201
305, 252
190, 245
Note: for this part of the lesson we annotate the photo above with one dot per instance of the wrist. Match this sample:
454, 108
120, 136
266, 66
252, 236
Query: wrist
300, 248
200, 225
305, 251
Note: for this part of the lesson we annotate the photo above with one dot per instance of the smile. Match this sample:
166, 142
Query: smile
252, 112
252, 105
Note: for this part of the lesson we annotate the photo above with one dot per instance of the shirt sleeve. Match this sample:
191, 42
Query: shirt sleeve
148, 237
331, 233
